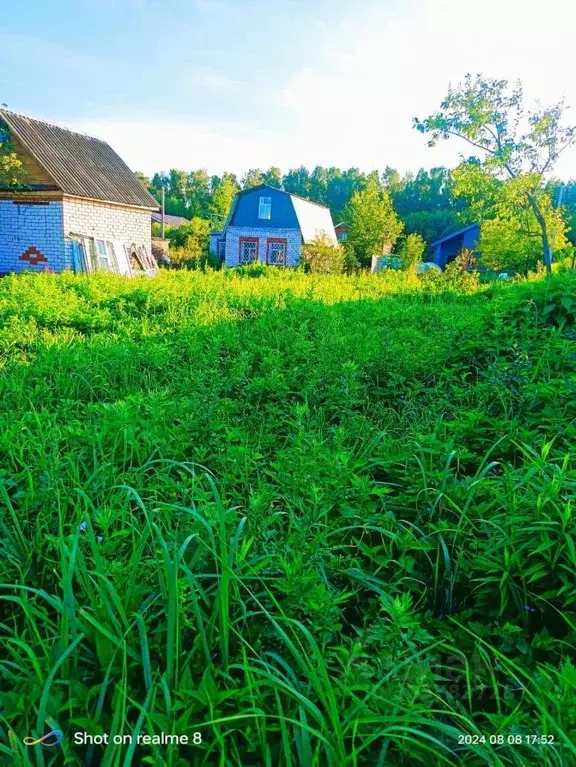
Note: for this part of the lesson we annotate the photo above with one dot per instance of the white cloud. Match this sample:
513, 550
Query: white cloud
371, 75
155, 144
386, 69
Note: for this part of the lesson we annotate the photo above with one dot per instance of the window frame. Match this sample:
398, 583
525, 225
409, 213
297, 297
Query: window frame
105, 255
271, 241
268, 206
241, 242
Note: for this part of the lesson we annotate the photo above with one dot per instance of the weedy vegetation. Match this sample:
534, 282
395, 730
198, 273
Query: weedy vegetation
321, 520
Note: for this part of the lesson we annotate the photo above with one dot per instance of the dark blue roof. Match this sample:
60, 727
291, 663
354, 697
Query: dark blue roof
454, 234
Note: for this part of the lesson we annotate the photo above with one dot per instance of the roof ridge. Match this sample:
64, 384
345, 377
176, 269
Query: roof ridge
283, 191
3, 111
455, 233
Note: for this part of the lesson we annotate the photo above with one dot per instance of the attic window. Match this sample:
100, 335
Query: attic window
265, 208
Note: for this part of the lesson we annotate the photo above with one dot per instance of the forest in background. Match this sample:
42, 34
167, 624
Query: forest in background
424, 201
430, 203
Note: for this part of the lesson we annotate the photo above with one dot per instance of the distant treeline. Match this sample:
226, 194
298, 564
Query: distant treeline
424, 201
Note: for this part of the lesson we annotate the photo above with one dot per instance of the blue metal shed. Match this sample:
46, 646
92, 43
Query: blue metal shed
447, 248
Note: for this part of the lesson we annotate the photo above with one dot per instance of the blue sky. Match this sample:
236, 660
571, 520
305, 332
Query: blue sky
238, 84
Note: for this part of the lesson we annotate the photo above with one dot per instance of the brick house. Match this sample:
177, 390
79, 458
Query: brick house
79, 206
269, 226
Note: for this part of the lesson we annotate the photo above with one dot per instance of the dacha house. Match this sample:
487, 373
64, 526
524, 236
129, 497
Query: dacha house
270, 226
78, 205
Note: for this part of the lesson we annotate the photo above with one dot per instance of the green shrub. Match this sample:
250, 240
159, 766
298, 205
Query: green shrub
411, 250
323, 256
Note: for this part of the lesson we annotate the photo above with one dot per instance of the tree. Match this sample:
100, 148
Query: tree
197, 194
426, 203
510, 235
224, 190
143, 179
391, 179
372, 222
515, 142
564, 196
12, 172
297, 181
273, 177
190, 243
411, 251
253, 178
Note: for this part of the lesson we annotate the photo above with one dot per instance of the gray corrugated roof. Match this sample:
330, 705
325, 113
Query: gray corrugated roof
80, 165
170, 220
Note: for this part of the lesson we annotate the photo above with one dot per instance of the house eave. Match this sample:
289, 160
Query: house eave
114, 203
454, 234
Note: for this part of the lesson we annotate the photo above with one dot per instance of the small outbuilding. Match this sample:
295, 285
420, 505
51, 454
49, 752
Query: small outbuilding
447, 248
78, 206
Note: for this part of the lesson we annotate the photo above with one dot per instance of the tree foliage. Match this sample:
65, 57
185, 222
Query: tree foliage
372, 221
412, 249
323, 256
12, 173
224, 190
515, 142
511, 238
190, 243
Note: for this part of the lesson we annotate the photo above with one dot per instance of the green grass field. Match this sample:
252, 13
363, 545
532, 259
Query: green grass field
317, 521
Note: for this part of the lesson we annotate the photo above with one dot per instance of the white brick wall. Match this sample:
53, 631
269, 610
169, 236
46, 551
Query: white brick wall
24, 226
106, 222
233, 234
46, 227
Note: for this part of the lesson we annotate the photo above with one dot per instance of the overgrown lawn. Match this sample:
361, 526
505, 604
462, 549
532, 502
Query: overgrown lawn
321, 521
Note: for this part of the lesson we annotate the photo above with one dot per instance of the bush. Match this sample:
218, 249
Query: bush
323, 256
463, 271
190, 243
411, 251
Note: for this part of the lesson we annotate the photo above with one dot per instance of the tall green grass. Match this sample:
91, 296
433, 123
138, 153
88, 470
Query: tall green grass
316, 520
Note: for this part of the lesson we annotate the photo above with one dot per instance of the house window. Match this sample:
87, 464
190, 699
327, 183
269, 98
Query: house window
276, 253
248, 250
103, 256
265, 208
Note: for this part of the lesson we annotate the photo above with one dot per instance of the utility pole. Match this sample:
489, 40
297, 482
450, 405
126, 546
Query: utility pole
163, 211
